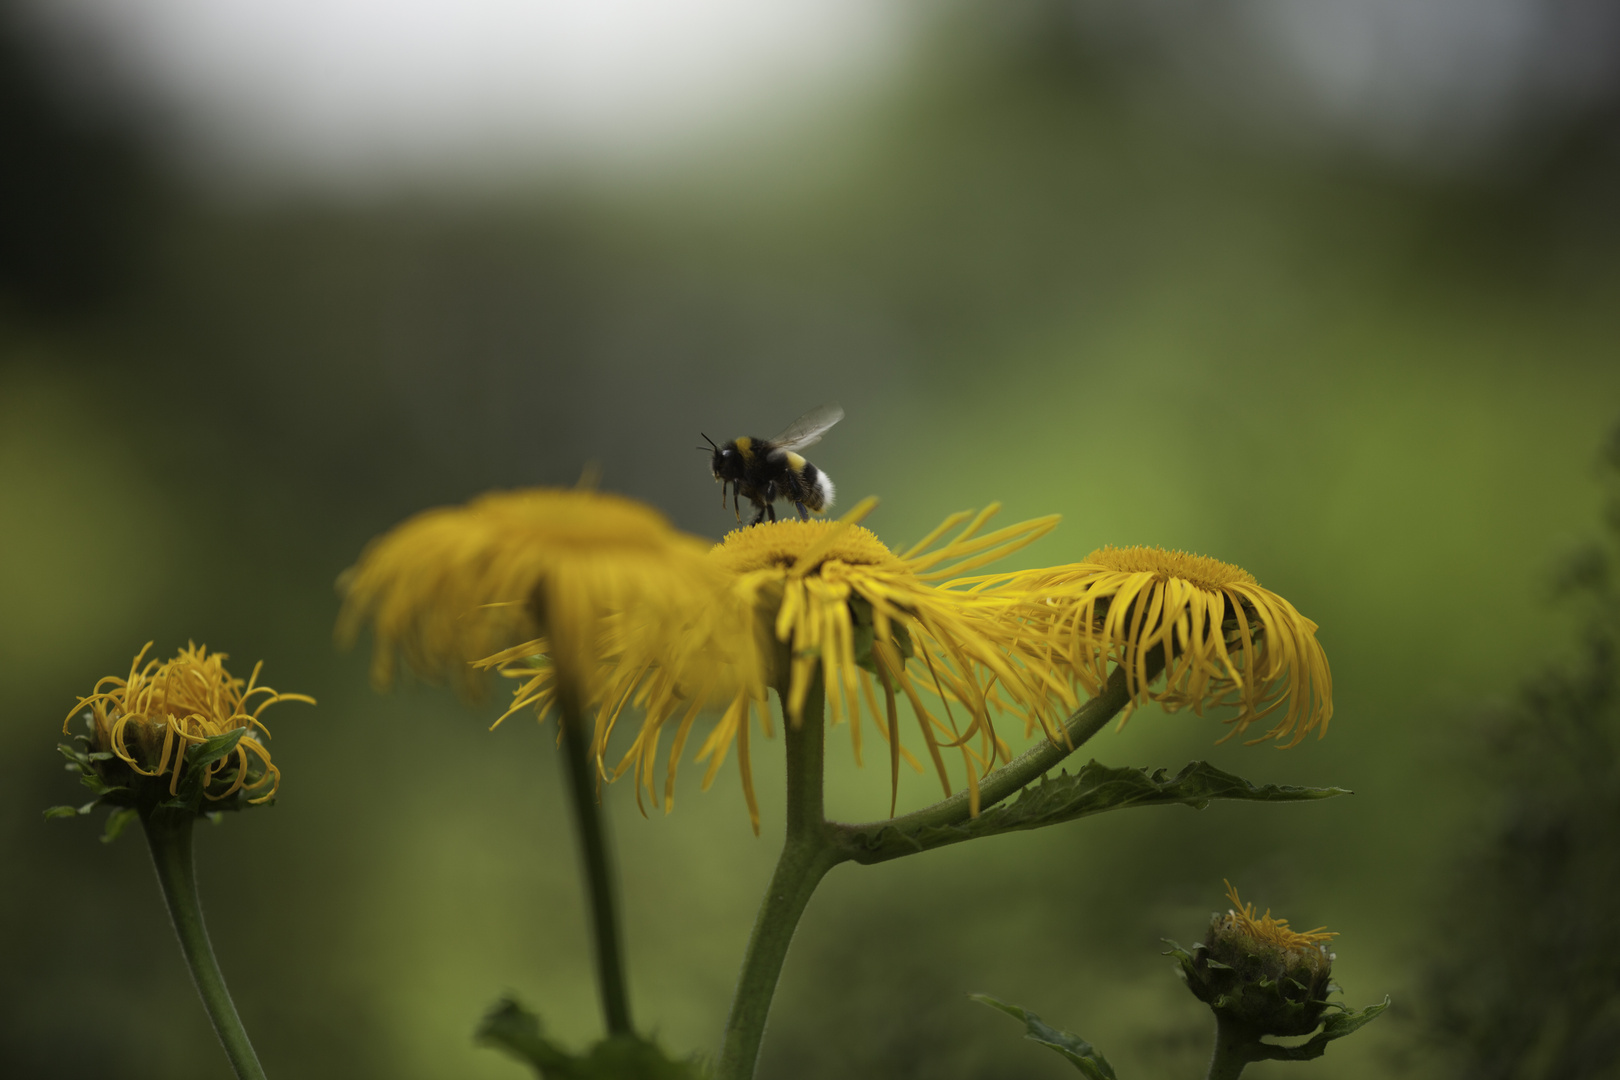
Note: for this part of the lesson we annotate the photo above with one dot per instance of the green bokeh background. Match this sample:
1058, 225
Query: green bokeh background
1378, 389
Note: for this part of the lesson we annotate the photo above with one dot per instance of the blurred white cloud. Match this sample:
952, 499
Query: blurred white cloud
368, 90
352, 87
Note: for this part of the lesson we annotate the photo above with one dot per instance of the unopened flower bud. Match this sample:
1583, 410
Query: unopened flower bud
1255, 971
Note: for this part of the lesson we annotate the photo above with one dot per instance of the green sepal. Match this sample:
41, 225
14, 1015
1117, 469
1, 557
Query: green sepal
1095, 789
116, 823
96, 784
87, 764
201, 755
1072, 1048
1335, 1026
864, 634
512, 1028
77, 759
116, 784
194, 781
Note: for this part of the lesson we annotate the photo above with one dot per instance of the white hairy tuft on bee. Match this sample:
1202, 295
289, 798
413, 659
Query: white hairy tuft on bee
765, 470
824, 482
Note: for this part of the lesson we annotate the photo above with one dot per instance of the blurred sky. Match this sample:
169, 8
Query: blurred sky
1324, 289
371, 90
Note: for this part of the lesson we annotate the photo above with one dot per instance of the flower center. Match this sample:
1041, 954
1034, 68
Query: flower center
779, 544
1202, 571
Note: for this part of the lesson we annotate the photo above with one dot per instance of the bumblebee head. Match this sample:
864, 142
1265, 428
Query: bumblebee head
726, 461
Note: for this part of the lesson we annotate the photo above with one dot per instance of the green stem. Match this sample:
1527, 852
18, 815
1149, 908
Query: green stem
807, 854
593, 853
170, 838
813, 846
1233, 1042
1017, 774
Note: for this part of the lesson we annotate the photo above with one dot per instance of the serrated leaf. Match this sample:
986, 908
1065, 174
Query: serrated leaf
116, 823
1072, 1048
1334, 1026
1095, 789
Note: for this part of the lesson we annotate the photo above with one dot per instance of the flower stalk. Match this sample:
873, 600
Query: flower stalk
169, 835
601, 894
1233, 1043
808, 852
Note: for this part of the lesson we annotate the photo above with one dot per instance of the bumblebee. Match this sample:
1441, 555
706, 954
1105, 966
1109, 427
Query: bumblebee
764, 470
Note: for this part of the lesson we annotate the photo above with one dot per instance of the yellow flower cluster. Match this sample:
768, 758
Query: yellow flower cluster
149, 718
597, 599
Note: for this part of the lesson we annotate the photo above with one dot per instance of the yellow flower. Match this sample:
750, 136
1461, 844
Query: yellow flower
1229, 641
563, 571
1266, 930
150, 718
833, 603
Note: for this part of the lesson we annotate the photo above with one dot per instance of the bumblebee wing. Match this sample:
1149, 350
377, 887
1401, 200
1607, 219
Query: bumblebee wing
808, 429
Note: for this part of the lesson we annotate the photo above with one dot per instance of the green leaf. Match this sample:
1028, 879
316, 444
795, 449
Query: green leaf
1075, 1050
1334, 1026
116, 822
54, 812
1095, 789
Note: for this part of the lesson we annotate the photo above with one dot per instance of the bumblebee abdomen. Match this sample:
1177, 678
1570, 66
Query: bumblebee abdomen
807, 484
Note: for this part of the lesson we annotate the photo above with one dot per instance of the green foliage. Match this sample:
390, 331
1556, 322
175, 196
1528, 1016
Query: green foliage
1095, 789
512, 1028
1075, 1050
1524, 981
1335, 1026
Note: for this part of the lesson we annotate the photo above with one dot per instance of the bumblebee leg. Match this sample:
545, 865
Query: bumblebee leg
804, 515
759, 515
770, 508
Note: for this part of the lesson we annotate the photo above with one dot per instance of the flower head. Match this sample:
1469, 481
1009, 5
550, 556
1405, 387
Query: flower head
143, 725
1222, 638
835, 606
1258, 971
558, 570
